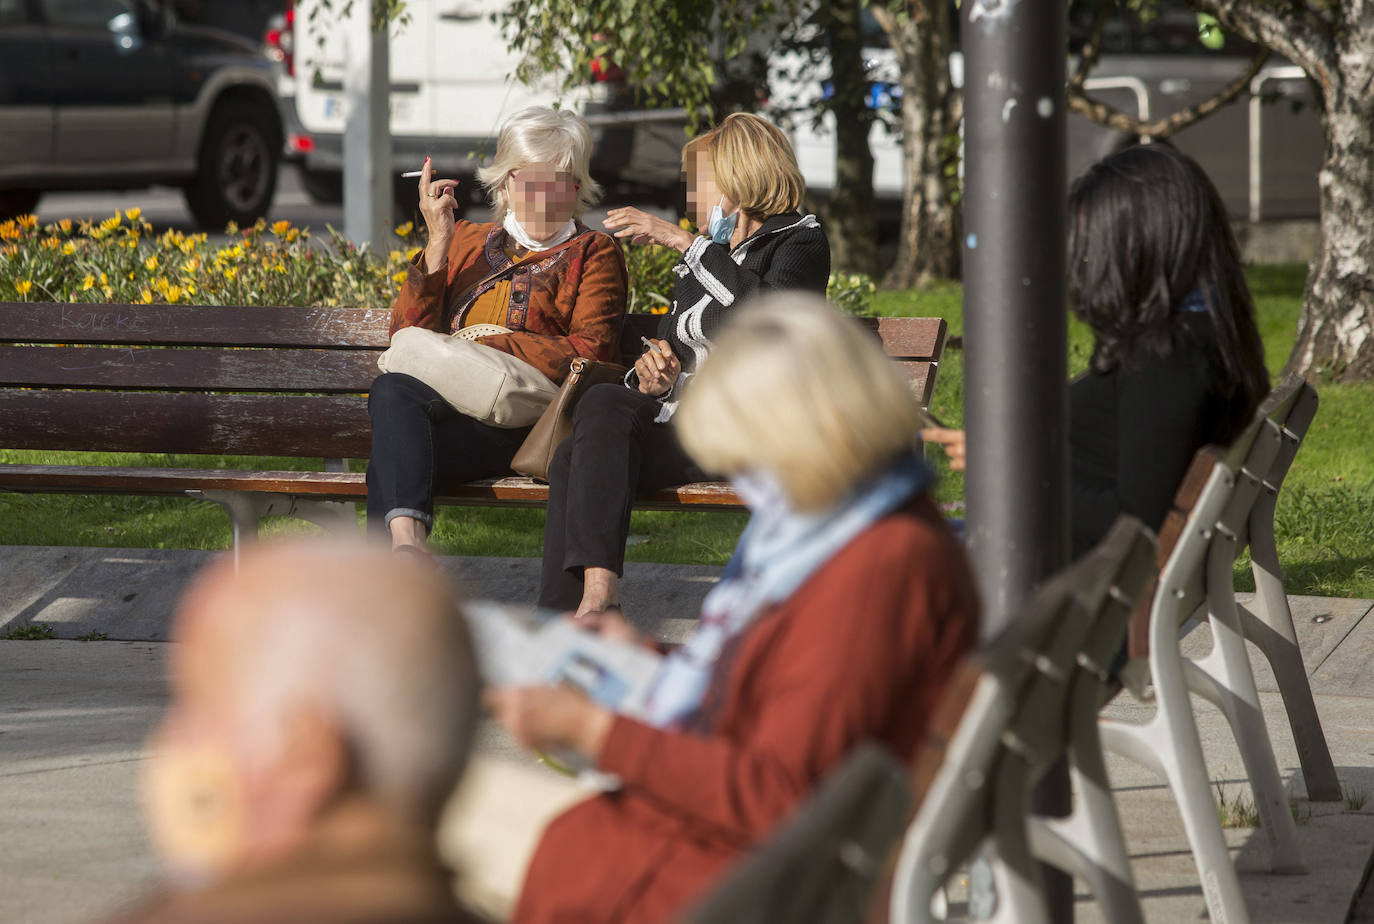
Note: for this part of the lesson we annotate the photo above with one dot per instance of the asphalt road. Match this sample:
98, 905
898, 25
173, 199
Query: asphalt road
165, 208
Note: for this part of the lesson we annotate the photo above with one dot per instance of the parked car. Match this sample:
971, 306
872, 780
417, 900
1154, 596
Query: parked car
124, 94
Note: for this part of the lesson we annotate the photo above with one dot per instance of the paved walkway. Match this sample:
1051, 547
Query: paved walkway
73, 716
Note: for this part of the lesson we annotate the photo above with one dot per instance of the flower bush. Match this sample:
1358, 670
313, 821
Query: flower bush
852, 293
121, 260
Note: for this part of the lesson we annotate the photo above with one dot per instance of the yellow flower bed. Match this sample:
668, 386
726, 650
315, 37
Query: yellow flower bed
121, 260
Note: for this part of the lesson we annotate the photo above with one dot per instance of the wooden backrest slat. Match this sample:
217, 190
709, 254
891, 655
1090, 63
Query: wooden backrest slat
190, 351
326, 426
320, 327
197, 369
193, 325
1205, 460
919, 378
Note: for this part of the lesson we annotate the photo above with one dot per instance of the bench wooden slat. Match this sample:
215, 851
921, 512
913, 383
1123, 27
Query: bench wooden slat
918, 378
193, 325
340, 486
328, 426
347, 328
1194, 480
205, 369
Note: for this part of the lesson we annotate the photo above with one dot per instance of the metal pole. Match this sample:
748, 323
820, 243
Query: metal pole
1015, 321
367, 130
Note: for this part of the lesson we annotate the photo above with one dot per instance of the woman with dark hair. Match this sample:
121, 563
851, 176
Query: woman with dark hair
1177, 362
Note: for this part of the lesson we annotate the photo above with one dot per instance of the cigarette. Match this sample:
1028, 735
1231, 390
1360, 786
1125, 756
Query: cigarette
413, 173
651, 345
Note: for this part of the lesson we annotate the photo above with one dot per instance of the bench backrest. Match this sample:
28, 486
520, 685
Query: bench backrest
232, 380
1011, 698
1290, 405
823, 864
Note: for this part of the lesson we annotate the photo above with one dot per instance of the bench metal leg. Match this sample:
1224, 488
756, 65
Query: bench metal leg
1089, 842
1270, 627
1169, 744
247, 508
950, 821
1225, 678
1016, 879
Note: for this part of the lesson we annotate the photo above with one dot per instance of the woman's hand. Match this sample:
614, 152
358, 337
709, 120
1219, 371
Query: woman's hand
657, 369
551, 718
438, 205
951, 440
643, 228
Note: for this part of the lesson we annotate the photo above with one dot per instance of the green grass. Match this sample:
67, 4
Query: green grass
1325, 520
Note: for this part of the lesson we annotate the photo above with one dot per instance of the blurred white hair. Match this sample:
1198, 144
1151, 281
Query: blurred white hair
390, 660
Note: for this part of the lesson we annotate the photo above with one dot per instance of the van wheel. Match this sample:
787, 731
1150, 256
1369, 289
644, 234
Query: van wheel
16, 202
237, 173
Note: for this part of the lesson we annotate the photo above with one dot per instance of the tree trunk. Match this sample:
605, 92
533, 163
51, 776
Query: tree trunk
927, 249
1336, 330
850, 223
1334, 44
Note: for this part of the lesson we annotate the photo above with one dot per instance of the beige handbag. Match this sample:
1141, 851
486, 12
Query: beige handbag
556, 424
482, 382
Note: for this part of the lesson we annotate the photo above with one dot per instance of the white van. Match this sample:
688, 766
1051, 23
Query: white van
1263, 158
452, 85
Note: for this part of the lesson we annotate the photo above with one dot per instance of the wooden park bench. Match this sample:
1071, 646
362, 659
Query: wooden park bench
1011, 711
246, 381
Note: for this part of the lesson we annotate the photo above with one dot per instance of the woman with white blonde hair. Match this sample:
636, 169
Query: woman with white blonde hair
745, 190
535, 283
848, 605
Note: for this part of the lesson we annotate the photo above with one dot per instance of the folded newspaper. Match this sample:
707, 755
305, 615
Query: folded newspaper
520, 646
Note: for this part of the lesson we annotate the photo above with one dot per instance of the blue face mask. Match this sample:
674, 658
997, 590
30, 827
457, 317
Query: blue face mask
722, 227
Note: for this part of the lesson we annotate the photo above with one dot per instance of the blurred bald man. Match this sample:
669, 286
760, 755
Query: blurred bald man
323, 704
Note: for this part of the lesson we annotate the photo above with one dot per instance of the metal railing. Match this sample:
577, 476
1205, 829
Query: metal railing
1284, 72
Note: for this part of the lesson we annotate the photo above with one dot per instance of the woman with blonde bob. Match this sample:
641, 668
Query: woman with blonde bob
534, 282
745, 189
848, 604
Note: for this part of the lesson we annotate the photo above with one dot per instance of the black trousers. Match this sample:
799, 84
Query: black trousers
616, 454
420, 445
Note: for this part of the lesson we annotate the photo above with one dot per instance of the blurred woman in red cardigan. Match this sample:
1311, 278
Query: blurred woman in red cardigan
846, 608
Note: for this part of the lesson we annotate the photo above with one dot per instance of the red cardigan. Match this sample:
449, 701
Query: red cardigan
862, 650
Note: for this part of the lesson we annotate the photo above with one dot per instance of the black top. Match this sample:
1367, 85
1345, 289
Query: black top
787, 252
1133, 431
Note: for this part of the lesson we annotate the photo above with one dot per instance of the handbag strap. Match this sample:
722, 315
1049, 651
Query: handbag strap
471, 292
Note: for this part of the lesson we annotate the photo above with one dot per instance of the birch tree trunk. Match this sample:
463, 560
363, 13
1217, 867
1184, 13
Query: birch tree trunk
1335, 46
1336, 330
920, 35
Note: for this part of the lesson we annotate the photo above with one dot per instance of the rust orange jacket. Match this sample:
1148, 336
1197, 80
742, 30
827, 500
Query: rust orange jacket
569, 304
863, 649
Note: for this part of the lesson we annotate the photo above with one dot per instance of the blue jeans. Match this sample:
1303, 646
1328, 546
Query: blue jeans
420, 445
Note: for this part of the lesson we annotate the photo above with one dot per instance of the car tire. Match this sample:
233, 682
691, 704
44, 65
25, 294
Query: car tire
236, 176
16, 202
323, 186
